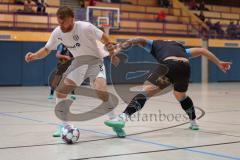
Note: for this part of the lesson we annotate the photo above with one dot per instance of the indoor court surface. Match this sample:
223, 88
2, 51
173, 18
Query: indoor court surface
27, 121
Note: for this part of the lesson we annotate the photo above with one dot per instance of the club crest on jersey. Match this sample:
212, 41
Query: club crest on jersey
75, 37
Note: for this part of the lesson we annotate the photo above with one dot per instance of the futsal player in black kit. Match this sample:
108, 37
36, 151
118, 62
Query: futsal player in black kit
174, 69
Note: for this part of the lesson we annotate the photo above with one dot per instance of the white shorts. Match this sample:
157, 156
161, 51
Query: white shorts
91, 71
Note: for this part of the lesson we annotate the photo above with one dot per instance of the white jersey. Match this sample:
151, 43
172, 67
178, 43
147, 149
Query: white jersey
82, 40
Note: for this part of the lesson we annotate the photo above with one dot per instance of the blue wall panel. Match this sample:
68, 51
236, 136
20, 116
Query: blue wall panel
135, 66
225, 54
10, 63
32, 73
50, 63
15, 71
195, 64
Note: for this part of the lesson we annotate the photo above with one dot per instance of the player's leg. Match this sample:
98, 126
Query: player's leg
67, 85
97, 76
62, 92
73, 97
98, 81
155, 83
188, 106
50, 96
179, 73
136, 104
100, 86
61, 68
101, 89
53, 81
64, 88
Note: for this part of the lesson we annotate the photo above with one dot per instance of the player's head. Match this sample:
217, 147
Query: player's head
65, 17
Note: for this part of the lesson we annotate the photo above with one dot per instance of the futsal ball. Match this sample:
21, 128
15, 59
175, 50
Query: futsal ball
70, 134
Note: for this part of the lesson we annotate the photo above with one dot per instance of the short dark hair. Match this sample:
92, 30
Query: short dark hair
64, 12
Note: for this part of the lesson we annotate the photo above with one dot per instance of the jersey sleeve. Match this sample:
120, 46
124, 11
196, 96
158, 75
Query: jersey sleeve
188, 52
94, 32
148, 47
52, 42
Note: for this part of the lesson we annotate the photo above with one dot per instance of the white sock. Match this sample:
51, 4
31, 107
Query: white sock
193, 122
123, 116
59, 99
63, 123
110, 114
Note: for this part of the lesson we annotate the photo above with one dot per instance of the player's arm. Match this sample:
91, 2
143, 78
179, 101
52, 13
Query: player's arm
222, 65
41, 53
138, 42
110, 46
97, 34
141, 42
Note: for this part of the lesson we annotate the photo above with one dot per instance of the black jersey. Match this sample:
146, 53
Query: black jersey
163, 49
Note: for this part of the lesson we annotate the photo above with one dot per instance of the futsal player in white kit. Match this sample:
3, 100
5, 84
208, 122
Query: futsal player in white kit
81, 40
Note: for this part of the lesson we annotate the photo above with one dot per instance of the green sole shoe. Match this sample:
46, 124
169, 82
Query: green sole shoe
115, 124
120, 132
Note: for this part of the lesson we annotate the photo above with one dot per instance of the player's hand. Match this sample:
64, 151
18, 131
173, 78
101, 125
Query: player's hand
30, 57
224, 66
115, 61
111, 46
68, 58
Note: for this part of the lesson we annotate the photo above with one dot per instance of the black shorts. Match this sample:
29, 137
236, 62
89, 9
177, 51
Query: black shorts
179, 74
171, 72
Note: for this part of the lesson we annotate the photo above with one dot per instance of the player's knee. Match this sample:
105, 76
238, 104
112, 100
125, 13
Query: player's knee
179, 95
69, 82
100, 84
150, 90
103, 95
64, 89
60, 95
158, 77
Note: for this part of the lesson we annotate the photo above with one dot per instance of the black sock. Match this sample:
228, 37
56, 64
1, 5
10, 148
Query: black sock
52, 91
136, 104
187, 106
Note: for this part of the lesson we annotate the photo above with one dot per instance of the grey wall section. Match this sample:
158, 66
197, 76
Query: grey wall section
15, 71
